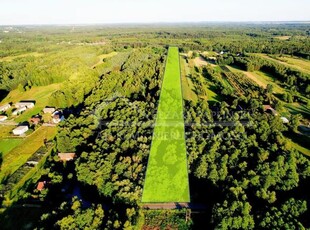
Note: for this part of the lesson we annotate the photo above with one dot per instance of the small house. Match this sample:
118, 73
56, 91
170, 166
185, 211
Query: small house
3, 118
50, 110
19, 110
66, 156
5, 107
20, 130
26, 104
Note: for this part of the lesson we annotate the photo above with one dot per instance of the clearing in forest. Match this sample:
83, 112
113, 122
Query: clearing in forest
166, 176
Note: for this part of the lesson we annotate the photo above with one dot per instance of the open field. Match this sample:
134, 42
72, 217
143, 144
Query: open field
187, 85
102, 57
294, 63
261, 78
40, 94
19, 155
303, 64
283, 38
166, 176
11, 58
6, 145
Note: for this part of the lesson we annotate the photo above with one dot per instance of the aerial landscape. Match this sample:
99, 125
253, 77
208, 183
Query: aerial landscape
185, 119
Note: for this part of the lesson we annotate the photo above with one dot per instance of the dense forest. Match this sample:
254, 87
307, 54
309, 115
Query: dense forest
243, 168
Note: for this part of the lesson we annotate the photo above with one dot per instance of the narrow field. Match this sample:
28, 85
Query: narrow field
11, 58
187, 85
166, 176
6, 145
294, 63
19, 155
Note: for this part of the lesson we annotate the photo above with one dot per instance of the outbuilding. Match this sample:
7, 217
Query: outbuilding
3, 118
5, 107
49, 110
20, 130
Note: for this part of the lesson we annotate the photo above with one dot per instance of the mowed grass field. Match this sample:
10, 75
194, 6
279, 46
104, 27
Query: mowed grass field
28, 146
167, 176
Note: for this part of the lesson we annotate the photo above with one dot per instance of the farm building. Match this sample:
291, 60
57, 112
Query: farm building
3, 118
26, 104
49, 110
20, 130
66, 156
19, 110
5, 107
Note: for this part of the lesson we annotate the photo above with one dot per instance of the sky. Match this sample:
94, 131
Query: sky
15, 12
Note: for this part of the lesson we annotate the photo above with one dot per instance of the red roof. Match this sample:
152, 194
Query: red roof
41, 185
66, 156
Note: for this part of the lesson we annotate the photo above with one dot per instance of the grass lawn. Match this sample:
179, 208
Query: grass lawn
19, 155
6, 145
40, 94
166, 176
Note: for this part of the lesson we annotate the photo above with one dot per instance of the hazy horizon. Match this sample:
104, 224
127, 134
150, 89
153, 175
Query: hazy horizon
57, 12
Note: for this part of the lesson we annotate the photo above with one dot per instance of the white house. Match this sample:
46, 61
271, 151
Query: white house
3, 118
20, 130
19, 110
49, 110
28, 105
5, 107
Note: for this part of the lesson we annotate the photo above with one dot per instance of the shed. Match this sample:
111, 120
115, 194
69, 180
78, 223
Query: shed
49, 110
20, 130
41, 185
5, 107
66, 156
19, 110
3, 118
21, 104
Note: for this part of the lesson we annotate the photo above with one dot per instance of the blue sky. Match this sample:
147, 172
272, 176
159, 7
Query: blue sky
120, 11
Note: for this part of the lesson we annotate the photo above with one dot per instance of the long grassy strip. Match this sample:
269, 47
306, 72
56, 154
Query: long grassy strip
166, 176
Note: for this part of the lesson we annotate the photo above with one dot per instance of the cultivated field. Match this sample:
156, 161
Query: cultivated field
166, 176
19, 155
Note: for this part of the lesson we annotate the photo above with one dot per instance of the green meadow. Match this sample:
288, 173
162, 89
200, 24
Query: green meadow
166, 176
